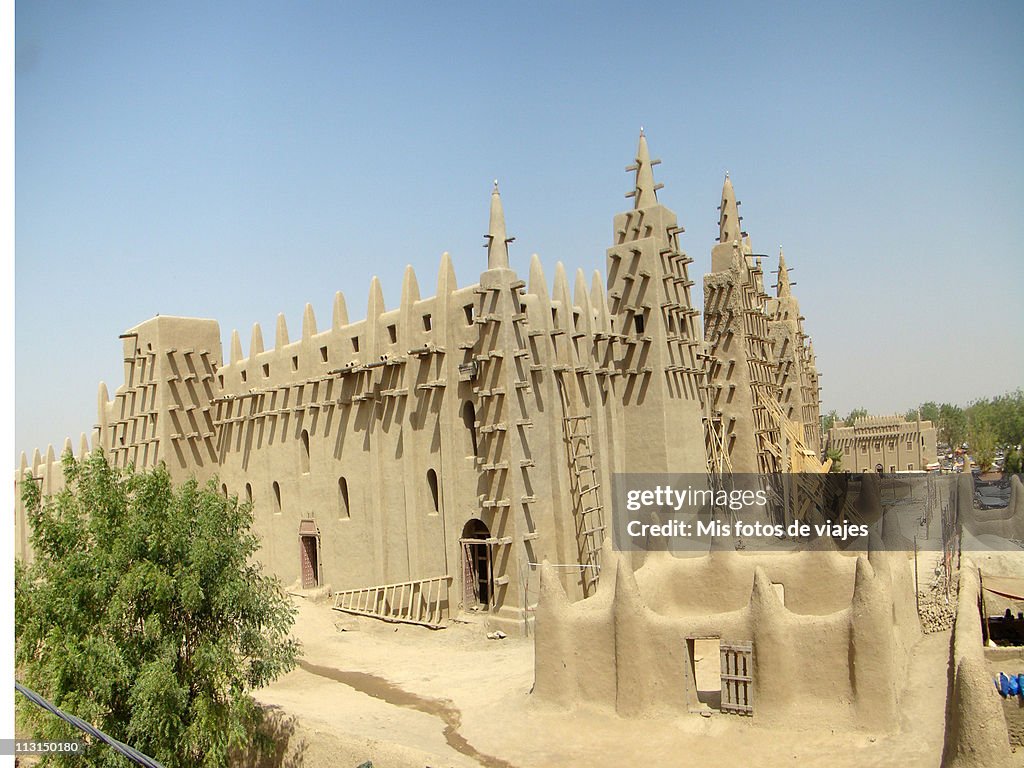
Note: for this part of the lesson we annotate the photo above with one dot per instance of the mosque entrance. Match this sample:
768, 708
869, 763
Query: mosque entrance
477, 580
308, 555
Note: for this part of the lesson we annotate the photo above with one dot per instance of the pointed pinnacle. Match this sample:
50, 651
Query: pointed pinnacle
644, 192
729, 218
497, 241
783, 288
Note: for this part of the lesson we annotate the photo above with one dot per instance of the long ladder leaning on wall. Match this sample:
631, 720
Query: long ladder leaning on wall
584, 486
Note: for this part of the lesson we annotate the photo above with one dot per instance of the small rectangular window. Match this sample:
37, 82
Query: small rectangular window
639, 320
243, 377
426, 322
266, 370
295, 363
393, 333
468, 309
323, 354
355, 343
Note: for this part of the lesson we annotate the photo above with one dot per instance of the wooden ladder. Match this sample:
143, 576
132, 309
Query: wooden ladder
585, 487
421, 601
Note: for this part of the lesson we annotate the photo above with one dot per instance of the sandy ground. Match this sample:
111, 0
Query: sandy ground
408, 697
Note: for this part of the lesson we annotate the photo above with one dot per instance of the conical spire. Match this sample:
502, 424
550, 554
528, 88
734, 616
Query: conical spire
782, 288
497, 241
644, 192
729, 217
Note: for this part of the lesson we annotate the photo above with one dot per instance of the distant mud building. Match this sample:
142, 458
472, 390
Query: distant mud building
425, 459
884, 444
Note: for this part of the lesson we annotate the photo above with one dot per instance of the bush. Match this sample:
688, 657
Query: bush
145, 614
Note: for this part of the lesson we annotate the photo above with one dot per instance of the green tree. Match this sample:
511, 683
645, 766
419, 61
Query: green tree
828, 421
855, 414
146, 614
929, 412
952, 425
837, 459
1014, 463
982, 443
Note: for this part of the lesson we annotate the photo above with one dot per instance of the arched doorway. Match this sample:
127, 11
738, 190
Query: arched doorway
478, 585
309, 557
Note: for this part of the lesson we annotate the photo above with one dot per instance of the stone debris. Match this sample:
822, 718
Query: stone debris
936, 611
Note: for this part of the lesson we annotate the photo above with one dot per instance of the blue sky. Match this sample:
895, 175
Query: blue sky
236, 160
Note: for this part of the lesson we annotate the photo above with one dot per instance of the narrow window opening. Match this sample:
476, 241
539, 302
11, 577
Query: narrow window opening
304, 456
323, 354
266, 370
355, 343
277, 498
468, 309
248, 493
295, 362
393, 333
432, 484
426, 322
469, 419
639, 321
243, 377
344, 511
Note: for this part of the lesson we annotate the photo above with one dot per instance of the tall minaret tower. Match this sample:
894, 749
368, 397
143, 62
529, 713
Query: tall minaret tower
795, 373
658, 332
741, 375
501, 383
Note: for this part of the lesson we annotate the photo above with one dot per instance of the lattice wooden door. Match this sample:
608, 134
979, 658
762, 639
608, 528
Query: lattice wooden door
738, 678
309, 562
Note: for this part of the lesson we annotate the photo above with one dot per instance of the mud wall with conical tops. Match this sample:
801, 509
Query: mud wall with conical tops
975, 735
834, 653
393, 437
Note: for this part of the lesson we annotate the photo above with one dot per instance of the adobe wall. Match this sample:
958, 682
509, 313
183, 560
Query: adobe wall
614, 652
1007, 522
976, 735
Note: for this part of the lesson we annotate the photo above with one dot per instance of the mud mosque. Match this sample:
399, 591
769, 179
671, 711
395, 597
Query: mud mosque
456, 454
425, 459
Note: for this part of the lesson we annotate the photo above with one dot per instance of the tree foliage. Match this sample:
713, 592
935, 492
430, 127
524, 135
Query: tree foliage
1000, 417
828, 421
1014, 463
837, 459
856, 413
145, 614
952, 425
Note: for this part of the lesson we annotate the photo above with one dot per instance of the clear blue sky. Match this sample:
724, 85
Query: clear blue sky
236, 160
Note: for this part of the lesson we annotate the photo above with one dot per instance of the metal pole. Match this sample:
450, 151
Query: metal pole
917, 588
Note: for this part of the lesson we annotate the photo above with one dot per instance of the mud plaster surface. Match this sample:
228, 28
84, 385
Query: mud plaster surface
410, 697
